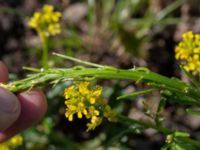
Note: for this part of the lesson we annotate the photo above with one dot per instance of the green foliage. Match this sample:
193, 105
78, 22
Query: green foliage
129, 22
180, 141
174, 89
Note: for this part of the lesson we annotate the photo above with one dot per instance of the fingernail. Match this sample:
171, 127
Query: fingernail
9, 109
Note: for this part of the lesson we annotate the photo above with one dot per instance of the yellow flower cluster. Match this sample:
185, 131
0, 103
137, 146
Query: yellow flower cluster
12, 144
188, 50
6, 86
46, 23
83, 99
3, 85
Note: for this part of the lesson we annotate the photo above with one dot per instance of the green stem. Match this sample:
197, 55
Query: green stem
134, 94
161, 82
44, 50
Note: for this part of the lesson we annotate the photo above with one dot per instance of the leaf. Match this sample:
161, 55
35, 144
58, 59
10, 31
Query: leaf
191, 78
134, 94
165, 147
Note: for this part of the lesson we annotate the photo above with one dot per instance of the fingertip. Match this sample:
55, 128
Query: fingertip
3, 72
9, 109
33, 108
34, 105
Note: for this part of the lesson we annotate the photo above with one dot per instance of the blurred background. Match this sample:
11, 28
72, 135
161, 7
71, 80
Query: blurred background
121, 33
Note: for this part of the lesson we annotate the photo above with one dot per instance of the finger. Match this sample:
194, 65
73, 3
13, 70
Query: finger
33, 108
9, 109
3, 72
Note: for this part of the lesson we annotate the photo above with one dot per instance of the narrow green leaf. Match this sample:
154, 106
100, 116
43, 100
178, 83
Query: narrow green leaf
181, 99
191, 78
77, 60
169, 9
134, 94
181, 134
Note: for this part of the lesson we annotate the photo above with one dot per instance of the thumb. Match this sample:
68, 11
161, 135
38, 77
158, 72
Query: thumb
9, 109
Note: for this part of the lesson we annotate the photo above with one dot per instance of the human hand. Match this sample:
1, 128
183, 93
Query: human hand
20, 111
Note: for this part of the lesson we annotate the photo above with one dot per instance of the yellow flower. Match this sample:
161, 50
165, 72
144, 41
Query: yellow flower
97, 91
4, 147
34, 21
4, 86
71, 110
54, 29
7, 86
81, 110
188, 36
12, 143
16, 141
46, 22
69, 92
95, 121
188, 50
92, 100
83, 99
92, 112
95, 94
110, 114
47, 9
83, 88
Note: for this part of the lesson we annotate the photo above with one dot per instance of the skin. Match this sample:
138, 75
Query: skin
26, 110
